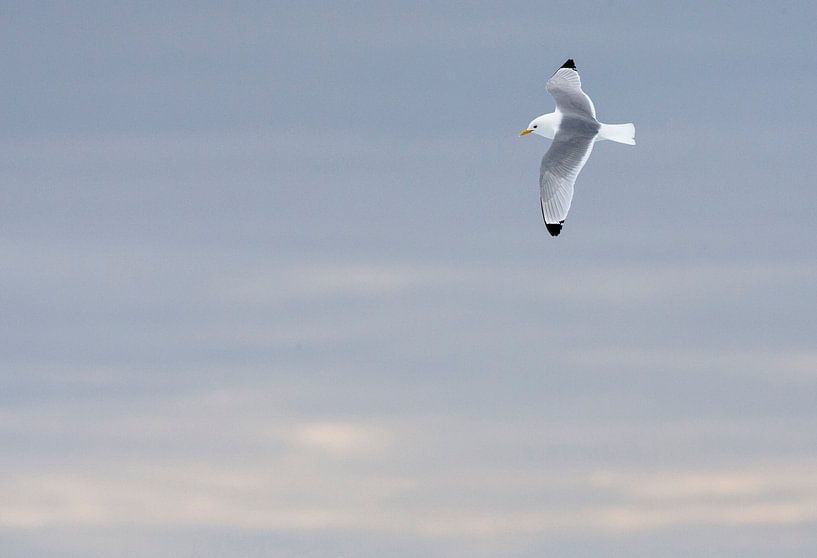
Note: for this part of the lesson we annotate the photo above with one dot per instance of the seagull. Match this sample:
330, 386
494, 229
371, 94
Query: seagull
574, 129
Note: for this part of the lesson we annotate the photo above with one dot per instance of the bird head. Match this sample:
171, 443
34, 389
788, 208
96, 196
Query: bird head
545, 125
533, 127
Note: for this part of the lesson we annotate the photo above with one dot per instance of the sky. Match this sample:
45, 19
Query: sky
275, 282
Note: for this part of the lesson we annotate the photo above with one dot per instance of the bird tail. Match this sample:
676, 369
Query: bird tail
622, 133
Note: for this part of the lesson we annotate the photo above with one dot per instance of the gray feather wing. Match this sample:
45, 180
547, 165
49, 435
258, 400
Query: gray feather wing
566, 89
561, 165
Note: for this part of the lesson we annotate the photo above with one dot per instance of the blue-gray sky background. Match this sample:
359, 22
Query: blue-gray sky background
275, 283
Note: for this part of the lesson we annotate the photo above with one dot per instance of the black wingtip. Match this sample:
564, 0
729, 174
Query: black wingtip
569, 64
554, 228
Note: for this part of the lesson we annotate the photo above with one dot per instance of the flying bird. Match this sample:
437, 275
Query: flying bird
574, 129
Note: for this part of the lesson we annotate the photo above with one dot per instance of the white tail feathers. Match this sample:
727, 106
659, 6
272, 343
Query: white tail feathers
622, 133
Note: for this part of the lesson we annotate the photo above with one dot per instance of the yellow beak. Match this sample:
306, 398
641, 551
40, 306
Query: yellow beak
524, 133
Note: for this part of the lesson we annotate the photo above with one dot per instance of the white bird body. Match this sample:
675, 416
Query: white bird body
547, 126
574, 129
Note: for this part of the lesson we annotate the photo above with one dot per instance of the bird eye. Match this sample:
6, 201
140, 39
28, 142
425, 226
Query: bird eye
536, 126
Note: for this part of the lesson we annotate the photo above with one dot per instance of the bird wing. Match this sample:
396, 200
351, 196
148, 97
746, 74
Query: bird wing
561, 165
566, 89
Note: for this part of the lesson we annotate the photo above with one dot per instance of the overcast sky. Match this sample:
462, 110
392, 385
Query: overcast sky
275, 282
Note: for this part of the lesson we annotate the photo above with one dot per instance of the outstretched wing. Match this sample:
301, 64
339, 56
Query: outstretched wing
566, 89
561, 165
